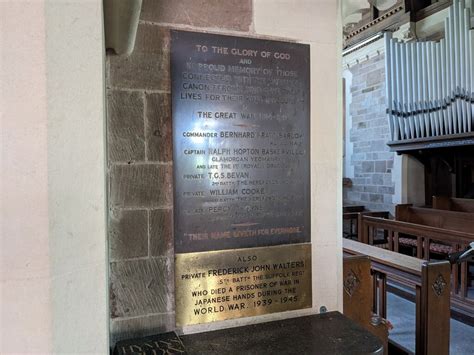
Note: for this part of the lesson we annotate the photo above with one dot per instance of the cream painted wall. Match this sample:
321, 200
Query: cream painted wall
53, 237
317, 22
25, 313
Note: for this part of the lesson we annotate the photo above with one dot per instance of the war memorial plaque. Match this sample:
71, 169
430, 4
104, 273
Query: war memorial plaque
241, 125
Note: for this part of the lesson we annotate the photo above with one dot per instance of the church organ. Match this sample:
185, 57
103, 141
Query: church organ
430, 84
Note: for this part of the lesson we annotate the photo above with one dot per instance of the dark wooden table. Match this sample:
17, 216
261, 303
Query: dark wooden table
351, 213
329, 333
325, 334
355, 219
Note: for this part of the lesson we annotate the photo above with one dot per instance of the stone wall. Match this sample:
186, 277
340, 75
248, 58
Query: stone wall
139, 150
371, 159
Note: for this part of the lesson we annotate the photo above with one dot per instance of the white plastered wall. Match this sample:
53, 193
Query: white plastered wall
317, 22
53, 238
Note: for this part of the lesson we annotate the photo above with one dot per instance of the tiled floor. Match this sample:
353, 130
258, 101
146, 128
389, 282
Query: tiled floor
401, 313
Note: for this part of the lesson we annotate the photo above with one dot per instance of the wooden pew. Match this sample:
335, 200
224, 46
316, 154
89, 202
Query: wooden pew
430, 279
443, 219
358, 297
453, 204
450, 220
426, 240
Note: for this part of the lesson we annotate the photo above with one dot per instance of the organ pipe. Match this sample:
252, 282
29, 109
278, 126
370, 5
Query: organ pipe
430, 85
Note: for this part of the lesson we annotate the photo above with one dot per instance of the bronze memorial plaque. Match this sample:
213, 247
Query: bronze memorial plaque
241, 127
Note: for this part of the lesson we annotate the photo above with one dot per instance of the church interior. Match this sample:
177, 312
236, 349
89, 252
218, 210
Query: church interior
408, 167
237, 176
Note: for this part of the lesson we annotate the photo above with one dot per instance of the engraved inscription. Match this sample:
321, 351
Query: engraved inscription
161, 344
229, 284
241, 142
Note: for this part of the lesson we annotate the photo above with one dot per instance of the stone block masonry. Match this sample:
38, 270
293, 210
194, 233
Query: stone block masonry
372, 185
139, 152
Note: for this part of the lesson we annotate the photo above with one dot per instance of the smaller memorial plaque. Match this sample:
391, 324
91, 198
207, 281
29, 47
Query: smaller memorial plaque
227, 284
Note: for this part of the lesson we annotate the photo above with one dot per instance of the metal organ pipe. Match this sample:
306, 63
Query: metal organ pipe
446, 77
408, 92
458, 65
419, 98
443, 88
434, 79
414, 90
424, 48
388, 95
467, 62
430, 86
393, 89
404, 97
399, 103
471, 66
438, 88
462, 66
452, 78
